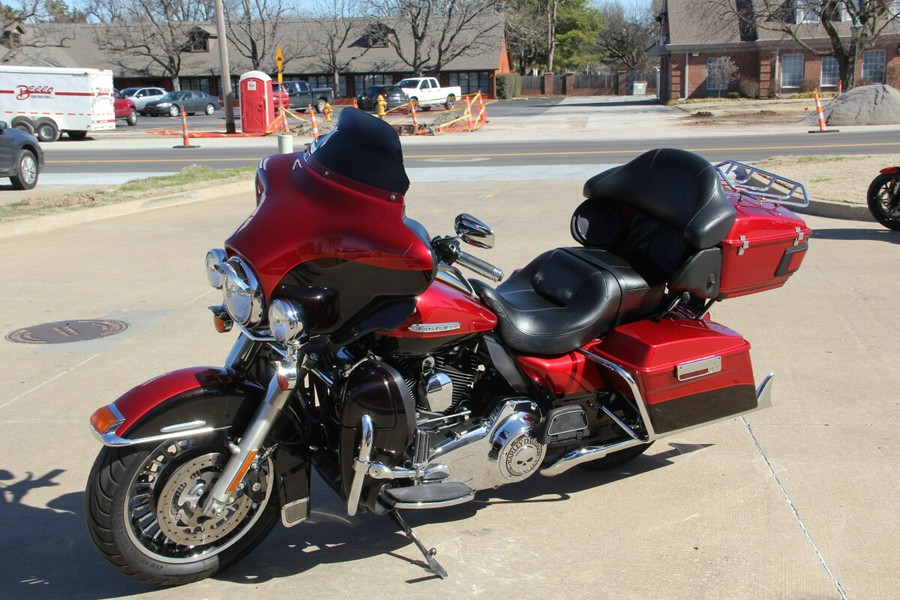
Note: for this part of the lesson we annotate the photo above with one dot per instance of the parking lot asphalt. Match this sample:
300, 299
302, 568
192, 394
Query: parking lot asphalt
797, 501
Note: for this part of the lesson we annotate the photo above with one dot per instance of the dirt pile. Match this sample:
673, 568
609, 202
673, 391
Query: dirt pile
864, 105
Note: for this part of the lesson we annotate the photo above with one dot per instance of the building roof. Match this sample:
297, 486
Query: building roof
94, 45
695, 24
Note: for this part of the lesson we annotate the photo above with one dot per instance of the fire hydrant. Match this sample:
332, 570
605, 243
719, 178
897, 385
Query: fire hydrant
327, 112
382, 103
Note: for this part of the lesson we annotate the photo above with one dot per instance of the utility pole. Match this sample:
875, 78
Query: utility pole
225, 68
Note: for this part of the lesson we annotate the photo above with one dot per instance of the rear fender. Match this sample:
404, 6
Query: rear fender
182, 403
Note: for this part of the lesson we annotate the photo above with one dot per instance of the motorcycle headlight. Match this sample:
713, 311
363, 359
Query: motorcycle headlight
287, 320
214, 258
243, 294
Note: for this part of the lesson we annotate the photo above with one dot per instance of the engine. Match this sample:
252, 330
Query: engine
503, 449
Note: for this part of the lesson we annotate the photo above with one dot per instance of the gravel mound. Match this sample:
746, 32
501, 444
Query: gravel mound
864, 105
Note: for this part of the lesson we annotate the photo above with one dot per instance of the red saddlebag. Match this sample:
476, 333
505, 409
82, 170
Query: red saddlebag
688, 372
765, 246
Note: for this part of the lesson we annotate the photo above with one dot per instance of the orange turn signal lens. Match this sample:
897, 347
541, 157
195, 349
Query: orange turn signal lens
103, 420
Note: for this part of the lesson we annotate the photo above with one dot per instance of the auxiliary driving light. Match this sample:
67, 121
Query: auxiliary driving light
287, 320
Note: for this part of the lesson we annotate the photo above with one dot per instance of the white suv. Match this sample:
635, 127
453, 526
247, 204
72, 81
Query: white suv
142, 95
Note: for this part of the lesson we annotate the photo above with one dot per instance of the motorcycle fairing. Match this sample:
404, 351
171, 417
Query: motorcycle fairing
355, 237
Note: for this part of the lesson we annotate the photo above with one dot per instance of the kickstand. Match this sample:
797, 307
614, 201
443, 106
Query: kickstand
433, 564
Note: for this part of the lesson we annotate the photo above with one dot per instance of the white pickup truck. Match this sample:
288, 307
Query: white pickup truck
427, 92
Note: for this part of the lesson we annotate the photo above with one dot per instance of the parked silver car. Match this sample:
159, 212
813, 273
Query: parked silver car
142, 95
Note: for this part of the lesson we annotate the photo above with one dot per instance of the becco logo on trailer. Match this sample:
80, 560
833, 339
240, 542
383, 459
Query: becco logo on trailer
24, 92
101, 92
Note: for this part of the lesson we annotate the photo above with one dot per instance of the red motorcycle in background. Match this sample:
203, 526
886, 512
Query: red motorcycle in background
883, 197
365, 353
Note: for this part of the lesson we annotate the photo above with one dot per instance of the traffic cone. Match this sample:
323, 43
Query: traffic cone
412, 110
821, 116
185, 142
315, 126
469, 113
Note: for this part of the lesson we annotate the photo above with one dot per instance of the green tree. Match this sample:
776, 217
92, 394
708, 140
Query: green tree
578, 25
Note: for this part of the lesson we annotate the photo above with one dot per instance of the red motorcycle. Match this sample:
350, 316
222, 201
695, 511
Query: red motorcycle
365, 353
883, 197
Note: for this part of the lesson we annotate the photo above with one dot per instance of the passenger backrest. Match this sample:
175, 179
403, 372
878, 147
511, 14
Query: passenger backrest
660, 211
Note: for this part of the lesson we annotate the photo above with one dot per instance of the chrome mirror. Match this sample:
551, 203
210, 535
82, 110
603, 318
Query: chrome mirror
474, 232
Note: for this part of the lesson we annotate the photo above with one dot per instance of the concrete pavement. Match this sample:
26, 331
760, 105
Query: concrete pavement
798, 501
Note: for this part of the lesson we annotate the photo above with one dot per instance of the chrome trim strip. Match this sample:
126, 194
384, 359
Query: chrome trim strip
698, 368
434, 327
583, 455
427, 505
182, 426
454, 277
632, 386
113, 440
361, 464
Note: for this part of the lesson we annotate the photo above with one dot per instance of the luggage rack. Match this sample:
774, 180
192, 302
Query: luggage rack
761, 185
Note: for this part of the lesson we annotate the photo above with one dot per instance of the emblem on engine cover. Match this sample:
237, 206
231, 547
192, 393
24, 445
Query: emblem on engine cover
521, 457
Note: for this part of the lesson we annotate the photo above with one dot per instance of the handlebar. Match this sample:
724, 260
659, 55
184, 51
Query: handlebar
482, 267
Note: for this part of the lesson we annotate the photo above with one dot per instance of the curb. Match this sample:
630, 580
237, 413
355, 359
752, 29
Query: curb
836, 210
75, 217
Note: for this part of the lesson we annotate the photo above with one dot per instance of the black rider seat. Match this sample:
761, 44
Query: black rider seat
649, 228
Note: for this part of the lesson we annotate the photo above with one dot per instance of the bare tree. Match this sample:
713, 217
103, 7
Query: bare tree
158, 32
330, 41
429, 34
256, 29
803, 19
721, 71
629, 32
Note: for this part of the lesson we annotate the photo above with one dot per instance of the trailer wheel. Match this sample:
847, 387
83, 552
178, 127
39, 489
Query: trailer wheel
46, 131
23, 124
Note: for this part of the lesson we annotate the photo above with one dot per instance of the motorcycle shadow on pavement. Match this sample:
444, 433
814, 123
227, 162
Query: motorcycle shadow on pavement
329, 536
856, 235
46, 551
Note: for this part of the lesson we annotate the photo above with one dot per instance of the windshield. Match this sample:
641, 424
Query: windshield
129, 91
408, 83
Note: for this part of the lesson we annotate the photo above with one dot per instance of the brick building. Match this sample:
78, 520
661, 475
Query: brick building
706, 52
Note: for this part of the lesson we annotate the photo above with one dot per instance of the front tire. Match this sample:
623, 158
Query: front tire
142, 511
131, 119
883, 205
174, 111
27, 171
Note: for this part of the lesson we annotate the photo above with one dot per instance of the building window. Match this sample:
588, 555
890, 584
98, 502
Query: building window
361, 82
717, 73
471, 81
831, 74
194, 83
873, 66
198, 41
328, 81
806, 11
791, 70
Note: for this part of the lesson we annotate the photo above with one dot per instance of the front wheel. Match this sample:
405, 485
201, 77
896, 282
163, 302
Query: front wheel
142, 507
174, 111
27, 171
883, 203
131, 119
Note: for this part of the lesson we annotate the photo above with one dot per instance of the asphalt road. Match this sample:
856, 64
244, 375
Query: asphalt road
137, 154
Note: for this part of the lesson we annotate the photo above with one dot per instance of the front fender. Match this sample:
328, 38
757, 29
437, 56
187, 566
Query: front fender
890, 170
182, 403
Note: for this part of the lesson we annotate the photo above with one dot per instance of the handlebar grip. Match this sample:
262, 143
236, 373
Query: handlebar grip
482, 267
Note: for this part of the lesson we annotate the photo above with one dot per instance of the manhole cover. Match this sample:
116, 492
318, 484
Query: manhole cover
64, 332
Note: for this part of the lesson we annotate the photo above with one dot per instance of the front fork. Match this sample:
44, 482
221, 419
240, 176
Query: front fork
244, 454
